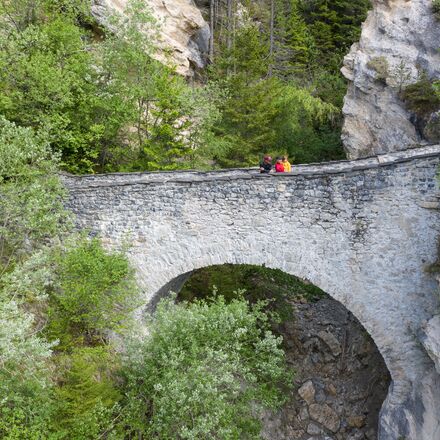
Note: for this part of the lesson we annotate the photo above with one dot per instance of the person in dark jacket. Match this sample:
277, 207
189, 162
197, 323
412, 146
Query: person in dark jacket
266, 165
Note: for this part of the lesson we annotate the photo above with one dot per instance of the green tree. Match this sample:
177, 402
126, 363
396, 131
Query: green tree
87, 396
301, 126
202, 371
295, 49
248, 112
335, 26
93, 292
31, 194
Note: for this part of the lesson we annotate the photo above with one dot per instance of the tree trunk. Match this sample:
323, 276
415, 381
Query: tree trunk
272, 32
212, 27
229, 24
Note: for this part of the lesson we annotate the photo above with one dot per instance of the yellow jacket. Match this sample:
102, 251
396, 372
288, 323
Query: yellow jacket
287, 166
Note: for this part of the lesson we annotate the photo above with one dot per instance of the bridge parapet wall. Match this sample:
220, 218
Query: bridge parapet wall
334, 167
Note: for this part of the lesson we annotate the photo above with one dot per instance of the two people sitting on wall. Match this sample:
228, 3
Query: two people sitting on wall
282, 165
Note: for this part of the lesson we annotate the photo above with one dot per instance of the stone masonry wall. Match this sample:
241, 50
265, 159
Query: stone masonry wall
362, 231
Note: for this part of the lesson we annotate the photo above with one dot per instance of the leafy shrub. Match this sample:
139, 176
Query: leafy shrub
24, 374
380, 66
31, 194
421, 97
87, 395
203, 371
436, 8
28, 418
95, 292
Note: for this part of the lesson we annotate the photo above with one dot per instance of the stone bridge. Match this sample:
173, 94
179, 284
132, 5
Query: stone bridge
363, 231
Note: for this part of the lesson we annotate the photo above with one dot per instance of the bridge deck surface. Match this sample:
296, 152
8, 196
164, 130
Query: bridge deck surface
190, 176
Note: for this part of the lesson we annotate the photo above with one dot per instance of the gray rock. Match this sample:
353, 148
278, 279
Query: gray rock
356, 421
313, 429
371, 434
331, 341
320, 438
325, 415
431, 340
406, 35
303, 414
331, 390
307, 392
184, 34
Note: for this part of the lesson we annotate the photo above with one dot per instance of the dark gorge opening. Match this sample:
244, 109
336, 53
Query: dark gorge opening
340, 378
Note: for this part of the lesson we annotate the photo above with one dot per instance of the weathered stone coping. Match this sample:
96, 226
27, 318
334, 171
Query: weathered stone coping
192, 176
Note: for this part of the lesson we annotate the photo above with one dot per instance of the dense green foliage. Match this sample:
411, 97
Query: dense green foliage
290, 101
107, 104
48, 80
88, 94
334, 25
30, 193
261, 113
202, 370
42, 288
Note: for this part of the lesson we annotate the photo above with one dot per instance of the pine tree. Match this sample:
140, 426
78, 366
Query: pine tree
335, 25
295, 47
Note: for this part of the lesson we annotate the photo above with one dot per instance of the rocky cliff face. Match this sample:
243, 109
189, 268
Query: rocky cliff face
184, 32
400, 40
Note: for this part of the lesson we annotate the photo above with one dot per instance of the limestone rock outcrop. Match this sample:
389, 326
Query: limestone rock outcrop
184, 33
400, 40
431, 340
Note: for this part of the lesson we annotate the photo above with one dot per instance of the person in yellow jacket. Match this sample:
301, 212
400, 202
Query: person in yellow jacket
287, 166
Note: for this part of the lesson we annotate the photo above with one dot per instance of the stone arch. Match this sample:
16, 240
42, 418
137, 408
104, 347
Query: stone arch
178, 273
405, 409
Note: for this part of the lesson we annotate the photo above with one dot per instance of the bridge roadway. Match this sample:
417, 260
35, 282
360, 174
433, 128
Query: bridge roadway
363, 231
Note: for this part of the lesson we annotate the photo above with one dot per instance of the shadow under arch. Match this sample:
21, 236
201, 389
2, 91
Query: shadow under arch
174, 283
